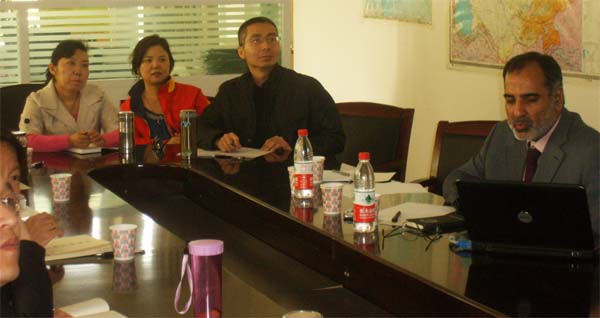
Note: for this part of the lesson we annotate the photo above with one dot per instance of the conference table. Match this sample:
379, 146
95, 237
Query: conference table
280, 256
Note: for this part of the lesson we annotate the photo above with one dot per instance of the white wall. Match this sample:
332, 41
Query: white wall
406, 64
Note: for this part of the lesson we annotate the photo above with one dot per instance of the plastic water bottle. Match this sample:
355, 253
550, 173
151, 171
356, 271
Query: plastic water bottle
303, 162
365, 215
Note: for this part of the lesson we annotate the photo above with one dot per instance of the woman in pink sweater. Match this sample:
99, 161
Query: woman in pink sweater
68, 112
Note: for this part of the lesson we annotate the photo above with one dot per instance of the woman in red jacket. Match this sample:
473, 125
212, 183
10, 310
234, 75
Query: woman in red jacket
156, 99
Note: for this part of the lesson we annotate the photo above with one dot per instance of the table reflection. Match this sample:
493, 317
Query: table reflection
522, 287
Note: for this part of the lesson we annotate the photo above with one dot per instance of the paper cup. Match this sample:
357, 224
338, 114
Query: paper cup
291, 172
123, 236
318, 162
124, 277
61, 186
332, 194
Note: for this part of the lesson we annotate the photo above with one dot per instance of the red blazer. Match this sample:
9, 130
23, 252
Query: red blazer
173, 98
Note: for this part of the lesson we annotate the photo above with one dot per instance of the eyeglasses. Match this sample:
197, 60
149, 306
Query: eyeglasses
271, 39
11, 202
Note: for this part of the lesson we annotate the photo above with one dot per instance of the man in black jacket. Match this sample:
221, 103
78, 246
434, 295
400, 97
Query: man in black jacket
265, 107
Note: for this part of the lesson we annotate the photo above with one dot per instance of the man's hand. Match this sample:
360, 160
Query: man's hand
229, 143
278, 156
275, 143
80, 140
96, 139
42, 228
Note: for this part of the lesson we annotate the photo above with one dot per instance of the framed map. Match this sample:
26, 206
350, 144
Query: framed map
404, 10
486, 32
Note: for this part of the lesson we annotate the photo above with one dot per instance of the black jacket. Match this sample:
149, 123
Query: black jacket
292, 100
30, 295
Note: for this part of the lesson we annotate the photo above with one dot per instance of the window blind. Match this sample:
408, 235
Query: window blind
202, 35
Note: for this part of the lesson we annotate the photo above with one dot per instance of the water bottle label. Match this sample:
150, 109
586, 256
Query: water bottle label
304, 176
364, 207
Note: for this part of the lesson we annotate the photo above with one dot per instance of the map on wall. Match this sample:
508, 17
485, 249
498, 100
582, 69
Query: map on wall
490, 32
404, 10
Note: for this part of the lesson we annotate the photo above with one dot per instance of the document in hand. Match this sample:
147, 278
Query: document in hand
95, 307
242, 153
75, 246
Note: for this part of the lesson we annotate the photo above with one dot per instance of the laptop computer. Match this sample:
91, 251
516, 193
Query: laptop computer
527, 218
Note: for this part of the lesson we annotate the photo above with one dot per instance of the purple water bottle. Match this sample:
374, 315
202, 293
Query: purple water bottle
204, 278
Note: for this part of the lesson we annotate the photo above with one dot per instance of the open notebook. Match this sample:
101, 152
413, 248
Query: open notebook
95, 307
75, 246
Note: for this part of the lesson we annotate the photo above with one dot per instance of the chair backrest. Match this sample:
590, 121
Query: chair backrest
12, 101
382, 130
455, 144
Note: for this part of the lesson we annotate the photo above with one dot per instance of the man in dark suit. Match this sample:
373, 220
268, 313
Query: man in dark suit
541, 141
265, 107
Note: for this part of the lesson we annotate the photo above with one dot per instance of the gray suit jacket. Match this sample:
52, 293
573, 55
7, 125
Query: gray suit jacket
571, 156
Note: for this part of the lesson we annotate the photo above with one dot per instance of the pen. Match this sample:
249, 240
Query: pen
396, 216
110, 255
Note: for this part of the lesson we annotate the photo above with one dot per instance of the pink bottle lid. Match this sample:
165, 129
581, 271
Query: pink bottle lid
364, 156
303, 132
205, 247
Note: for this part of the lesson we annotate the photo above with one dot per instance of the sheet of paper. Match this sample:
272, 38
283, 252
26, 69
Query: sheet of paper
75, 246
412, 210
391, 187
379, 176
243, 152
336, 176
88, 307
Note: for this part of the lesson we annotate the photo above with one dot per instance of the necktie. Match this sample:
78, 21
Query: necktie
531, 164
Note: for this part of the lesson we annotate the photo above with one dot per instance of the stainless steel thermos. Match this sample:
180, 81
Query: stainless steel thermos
126, 137
188, 134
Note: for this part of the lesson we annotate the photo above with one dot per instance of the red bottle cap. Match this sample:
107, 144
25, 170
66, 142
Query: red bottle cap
364, 156
303, 132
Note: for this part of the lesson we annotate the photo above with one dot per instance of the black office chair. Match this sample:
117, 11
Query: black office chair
12, 101
382, 130
455, 144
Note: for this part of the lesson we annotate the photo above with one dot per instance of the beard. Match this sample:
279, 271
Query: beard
531, 130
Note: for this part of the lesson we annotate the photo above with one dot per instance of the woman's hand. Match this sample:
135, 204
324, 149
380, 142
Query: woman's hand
96, 139
42, 228
79, 140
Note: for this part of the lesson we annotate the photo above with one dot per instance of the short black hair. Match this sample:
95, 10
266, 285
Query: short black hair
7, 137
64, 49
552, 73
249, 22
142, 47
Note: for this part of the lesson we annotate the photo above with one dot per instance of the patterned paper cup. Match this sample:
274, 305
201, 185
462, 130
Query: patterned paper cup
61, 186
291, 172
123, 236
124, 277
332, 194
318, 162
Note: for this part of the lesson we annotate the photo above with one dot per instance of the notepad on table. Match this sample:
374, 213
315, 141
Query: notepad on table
75, 246
85, 151
95, 307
